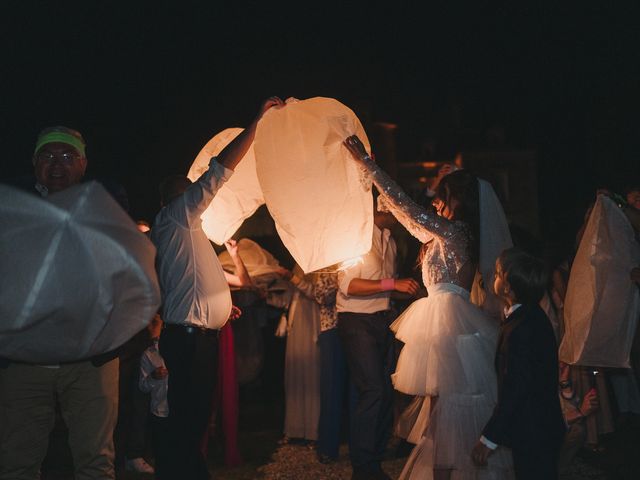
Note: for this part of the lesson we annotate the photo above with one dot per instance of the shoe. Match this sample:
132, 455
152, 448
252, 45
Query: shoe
138, 465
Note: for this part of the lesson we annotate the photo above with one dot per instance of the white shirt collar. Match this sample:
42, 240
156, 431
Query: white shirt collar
510, 310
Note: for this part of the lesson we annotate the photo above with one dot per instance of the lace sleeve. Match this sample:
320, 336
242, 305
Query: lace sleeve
418, 221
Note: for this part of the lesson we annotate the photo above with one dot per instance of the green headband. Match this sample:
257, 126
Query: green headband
60, 137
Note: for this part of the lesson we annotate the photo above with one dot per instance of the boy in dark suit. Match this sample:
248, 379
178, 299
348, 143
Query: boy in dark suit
527, 418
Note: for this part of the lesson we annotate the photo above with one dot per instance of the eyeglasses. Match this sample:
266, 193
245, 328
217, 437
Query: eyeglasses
66, 157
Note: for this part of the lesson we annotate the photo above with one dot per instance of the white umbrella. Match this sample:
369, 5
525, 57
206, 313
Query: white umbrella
77, 279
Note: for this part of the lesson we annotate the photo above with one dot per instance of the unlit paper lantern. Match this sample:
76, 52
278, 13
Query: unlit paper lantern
313, 188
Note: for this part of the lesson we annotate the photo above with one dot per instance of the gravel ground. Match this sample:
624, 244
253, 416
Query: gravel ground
296, 462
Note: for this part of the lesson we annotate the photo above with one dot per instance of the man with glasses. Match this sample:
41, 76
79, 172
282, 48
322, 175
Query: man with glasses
87, 391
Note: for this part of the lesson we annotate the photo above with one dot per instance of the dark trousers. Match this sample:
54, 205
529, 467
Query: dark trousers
160, 444
192, 361
130, 435
536, 462
333, 383
367, 343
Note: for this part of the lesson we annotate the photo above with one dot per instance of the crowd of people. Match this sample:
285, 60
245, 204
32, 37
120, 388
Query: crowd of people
476, 346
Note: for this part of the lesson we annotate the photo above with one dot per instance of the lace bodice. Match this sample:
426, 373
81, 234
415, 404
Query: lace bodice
448, 242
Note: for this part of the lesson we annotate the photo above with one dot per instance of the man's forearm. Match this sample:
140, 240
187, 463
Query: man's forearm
231, 155
363, 287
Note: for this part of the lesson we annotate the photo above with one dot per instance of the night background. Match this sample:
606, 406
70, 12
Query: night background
148, 83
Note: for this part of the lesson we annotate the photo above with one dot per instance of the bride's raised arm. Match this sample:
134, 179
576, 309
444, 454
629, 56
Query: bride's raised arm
419, 222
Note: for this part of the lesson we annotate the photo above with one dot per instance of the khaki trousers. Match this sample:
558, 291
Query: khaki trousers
88, 397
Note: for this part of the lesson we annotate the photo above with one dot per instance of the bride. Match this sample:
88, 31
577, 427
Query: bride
447, 359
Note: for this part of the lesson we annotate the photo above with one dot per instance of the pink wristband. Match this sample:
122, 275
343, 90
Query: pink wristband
387, 284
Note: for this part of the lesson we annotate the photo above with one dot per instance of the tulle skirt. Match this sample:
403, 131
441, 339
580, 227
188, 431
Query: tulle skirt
447, 361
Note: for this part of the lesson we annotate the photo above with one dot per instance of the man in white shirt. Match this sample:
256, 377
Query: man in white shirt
364, 316
196, 303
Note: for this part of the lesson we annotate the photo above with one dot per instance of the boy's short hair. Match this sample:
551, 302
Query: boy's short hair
527, 275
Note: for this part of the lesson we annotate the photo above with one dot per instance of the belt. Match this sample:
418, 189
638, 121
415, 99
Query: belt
191, 329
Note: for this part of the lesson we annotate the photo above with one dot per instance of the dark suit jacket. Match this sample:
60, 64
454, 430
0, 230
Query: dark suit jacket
528, 412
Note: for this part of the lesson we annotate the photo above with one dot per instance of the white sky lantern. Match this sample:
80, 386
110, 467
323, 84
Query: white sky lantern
78, 278
602, 304
256, 259
238, 199
314, 190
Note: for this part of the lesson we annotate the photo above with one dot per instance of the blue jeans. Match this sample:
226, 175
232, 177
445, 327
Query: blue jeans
333, 377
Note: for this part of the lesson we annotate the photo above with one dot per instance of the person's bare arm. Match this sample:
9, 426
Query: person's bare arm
231, 155
363, 287
241, 277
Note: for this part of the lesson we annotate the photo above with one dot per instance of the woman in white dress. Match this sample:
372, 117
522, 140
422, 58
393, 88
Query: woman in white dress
447, 359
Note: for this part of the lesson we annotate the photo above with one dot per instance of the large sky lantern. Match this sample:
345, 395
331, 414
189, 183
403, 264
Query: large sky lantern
602, 304
78, 278
238, 199
298, 166
322, 207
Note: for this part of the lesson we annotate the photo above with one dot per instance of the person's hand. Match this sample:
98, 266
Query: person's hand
235, 313
635, 275
445, 170
407, 285
590, 403
480, 454
355, 146
160, 373
270, 102
232, 247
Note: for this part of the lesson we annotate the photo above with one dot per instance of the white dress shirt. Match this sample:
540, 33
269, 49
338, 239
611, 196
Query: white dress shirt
379, 263
194, 289
158, 388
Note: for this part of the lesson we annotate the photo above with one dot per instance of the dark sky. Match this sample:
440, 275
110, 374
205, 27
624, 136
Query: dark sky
148, 83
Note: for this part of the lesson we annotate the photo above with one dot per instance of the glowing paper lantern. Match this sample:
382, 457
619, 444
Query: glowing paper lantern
314, 190
255, 258
602, 304
77, 278
238, 198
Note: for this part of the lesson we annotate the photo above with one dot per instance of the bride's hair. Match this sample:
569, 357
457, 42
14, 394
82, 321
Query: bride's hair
462, 186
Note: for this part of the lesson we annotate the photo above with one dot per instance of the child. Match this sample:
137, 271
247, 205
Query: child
154, 379
527, 417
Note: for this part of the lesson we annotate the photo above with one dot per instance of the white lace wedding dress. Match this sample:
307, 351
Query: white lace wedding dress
447, 359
